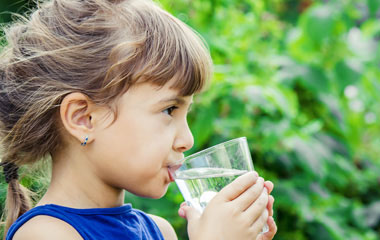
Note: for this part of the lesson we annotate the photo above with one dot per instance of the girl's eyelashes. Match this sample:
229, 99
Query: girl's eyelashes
169, 111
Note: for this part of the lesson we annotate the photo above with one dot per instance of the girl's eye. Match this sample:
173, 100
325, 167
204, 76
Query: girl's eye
169, 111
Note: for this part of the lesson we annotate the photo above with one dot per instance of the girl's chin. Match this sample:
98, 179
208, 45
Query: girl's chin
161, 194
156, 194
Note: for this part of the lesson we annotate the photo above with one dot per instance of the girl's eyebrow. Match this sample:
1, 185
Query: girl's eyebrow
176, 99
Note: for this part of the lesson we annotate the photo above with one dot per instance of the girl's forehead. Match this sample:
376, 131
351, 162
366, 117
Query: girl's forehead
151, 93
167, 88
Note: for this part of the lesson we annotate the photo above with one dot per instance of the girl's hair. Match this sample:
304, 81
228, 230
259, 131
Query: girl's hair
96, 47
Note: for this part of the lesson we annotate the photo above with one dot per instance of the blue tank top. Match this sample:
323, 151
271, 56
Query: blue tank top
122, 222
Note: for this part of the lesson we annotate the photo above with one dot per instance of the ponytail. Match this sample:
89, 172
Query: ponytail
18, 201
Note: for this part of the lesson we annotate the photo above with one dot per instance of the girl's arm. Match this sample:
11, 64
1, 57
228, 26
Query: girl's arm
165, 228
46, 228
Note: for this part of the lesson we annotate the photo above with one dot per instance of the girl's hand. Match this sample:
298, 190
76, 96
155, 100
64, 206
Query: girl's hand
238, 211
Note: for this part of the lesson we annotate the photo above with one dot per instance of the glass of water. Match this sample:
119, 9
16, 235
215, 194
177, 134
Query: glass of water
201, 175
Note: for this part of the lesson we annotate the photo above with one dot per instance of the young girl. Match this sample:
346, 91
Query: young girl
103, 88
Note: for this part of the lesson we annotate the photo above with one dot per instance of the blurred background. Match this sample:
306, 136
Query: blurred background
301, 80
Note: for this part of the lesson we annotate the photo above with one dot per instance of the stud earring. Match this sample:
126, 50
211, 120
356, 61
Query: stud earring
85, 141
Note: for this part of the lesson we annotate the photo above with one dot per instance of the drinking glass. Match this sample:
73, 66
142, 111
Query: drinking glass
201, 175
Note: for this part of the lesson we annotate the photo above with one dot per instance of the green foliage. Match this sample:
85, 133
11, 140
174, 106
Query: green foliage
300, 79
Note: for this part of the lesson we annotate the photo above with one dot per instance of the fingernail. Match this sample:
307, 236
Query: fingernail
188, 203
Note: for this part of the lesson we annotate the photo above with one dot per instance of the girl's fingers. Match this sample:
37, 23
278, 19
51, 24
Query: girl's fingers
238, 186
272, 230
247, 198
270, 205
260, 222
269, 185
258, 208
183, 204
181, 210
189, 213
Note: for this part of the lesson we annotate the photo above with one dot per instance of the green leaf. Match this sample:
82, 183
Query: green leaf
202, 126
373, 7
319, 21
347, 72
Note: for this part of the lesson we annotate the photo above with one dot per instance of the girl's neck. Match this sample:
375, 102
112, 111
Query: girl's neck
73, 184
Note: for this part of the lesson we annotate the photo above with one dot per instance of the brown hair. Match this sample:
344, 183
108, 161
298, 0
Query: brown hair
96, 47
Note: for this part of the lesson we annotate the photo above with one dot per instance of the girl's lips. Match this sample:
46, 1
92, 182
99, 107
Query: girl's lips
171, 177
171, 171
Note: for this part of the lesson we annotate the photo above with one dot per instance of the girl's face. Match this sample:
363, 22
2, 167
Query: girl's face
149, 133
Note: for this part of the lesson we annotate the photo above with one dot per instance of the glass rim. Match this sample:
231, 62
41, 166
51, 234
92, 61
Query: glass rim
212, 148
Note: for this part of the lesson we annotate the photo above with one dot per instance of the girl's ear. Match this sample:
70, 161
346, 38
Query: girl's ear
76, 112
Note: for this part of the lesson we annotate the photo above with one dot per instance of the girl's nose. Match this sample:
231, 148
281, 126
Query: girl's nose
184, 140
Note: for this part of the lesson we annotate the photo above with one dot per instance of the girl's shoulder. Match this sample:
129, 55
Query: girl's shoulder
46, 227
165, 227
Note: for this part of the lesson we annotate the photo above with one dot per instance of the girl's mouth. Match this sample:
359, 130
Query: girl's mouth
171, 177
172, 169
